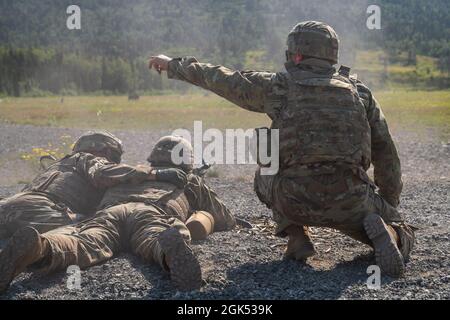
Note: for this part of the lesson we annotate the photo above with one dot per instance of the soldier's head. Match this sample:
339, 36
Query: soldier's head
173, 152
312, 39
101, 144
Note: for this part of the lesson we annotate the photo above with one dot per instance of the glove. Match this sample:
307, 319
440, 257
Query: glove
174, 176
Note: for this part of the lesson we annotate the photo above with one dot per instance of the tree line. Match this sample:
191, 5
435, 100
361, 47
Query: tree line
38, 55
37, 71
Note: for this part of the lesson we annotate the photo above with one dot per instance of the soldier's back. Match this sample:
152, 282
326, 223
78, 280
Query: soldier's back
162, 194
65, 181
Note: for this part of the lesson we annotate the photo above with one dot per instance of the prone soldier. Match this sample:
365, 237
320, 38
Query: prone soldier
70, 189
154, 219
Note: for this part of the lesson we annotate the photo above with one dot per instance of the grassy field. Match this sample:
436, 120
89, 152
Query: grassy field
398, 73
114, 112
411, 109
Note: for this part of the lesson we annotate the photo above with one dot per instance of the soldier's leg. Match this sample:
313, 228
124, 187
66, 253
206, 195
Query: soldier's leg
157, 238
372, 204
83, 244
341, 200
359, 235
87, 243
402, 232
31, 209
24, 248
383, 228
300, 245
263, 186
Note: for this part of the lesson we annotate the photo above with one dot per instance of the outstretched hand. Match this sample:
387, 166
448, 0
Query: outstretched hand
159, 63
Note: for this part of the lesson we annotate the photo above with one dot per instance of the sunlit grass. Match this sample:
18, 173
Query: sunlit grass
416, 110
411, 109
395, 72
118, 113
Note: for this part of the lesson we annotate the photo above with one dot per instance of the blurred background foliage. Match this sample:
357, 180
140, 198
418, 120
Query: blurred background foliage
39, 56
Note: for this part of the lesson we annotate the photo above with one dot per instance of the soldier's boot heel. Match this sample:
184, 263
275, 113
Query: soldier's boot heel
387, 253
300, 246
23, 249
183, 266
308, 250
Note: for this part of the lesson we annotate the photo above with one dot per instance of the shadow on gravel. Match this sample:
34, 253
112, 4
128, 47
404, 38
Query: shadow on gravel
157, 278
295, 280
31, 285
283, 279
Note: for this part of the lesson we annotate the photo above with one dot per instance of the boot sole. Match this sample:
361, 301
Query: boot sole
21, 243
387, 254
184, 267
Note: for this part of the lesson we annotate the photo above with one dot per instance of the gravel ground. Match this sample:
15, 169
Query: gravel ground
247, 263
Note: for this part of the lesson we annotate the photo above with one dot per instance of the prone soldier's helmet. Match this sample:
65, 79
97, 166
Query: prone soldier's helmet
314, 39
172, 151
100, 142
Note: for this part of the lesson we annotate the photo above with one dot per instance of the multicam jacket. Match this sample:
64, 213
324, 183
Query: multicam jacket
79, 180
263, 91
176, 202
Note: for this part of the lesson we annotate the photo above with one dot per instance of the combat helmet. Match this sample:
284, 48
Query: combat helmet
100, 142
314, 39
172, 151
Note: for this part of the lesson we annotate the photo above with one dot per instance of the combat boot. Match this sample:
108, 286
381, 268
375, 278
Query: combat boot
300, 245
406, 238
183, 266
385, 243
23, 249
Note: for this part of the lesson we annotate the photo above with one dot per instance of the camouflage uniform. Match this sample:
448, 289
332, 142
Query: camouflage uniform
67, 191
131, 219
146, 218
312, 191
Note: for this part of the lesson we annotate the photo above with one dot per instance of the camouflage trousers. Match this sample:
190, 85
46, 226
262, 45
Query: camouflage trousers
131, 227
32, 209
330, 196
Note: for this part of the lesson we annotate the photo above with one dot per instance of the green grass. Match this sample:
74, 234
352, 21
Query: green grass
172, 111
417, 109
369, 65
411, 109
